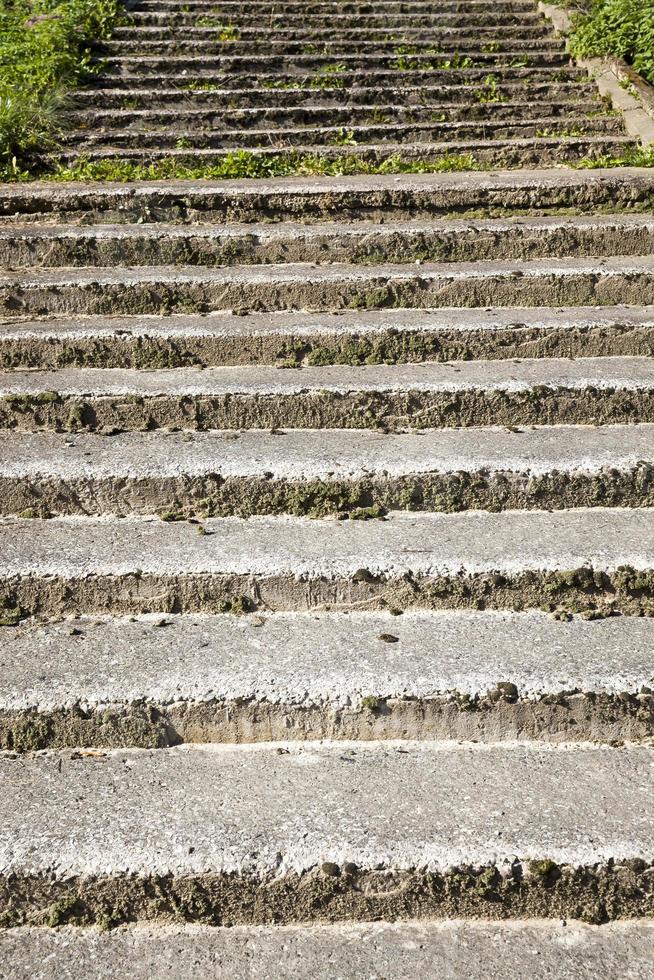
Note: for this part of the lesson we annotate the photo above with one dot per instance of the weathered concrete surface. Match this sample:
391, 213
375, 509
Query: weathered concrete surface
579, 560
321, 472
449, 950
491, 676
412, 195
326, 832
160, 243
364, 337
201, 289
430, 394
302, 454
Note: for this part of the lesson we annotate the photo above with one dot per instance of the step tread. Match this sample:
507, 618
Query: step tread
452, 949
424, 544
329, 228
326, 454
292, 323
625, 373
256, 812
296, 659
534, 180
306, 272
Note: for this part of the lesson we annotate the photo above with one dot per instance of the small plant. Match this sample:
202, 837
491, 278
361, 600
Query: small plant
228, 33
489, 90
623, 28
44, 52
345, 137
244, 164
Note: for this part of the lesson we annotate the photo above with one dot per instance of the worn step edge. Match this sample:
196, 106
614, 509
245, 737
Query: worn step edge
354, 77
319, 110
517, 152
356, 338
453, 97
169, 289
155, 682
317, 473
414, 195
252, 835
366, 242
595, 561
418, 396
368, 134
544, 950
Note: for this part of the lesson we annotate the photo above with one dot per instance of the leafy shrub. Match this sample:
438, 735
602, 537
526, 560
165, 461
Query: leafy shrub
44, 51
622, 28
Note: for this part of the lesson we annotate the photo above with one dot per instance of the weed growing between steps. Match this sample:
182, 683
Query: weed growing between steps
622, 28
44, 51
245, 164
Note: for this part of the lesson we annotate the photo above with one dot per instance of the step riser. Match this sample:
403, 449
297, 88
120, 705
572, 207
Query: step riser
319, 32
452, 244
230, 899
237, 66
151, 725
351, 78
295, 9
435, 47
427, 132
347, 199
453, 98
219, 496
545, 152
188, 117
168, 294
580, 590
406, 409
390, 346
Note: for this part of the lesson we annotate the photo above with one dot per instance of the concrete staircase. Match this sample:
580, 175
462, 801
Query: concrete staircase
328, 514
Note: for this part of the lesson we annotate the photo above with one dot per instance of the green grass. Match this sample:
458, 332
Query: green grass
44, 51
243, 164
622, 28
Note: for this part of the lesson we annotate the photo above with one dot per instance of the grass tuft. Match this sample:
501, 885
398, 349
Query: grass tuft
622, 28
44, 52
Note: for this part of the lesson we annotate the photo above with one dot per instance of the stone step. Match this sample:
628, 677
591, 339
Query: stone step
360, 474
289, 21
307, 286
466, 154
346, 80
214, 117
379, 337
153, 682
327, 832
408, 196
434, 45
454, 240
368, 134
589, 391
592, 561
548, 950
258, 65
322, 31
445, 98
313, 8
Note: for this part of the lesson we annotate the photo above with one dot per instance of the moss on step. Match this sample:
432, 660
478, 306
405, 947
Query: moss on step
596, 893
